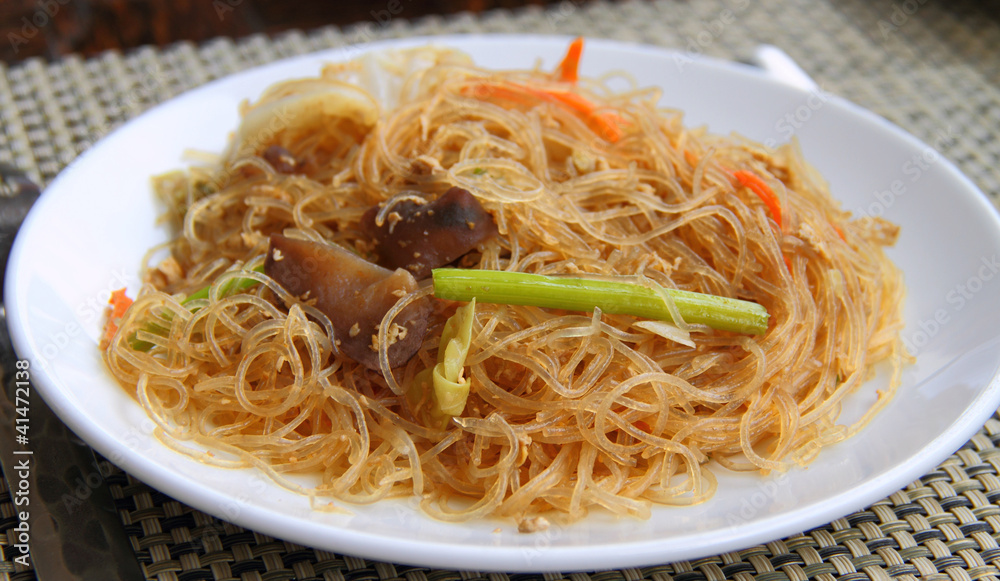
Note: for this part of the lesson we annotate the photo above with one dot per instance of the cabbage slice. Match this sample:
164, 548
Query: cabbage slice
445, 385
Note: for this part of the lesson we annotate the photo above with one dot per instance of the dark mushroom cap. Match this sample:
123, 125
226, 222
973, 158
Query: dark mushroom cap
354, 293
422, 237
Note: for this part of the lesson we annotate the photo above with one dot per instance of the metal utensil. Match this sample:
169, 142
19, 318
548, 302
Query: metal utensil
72, 530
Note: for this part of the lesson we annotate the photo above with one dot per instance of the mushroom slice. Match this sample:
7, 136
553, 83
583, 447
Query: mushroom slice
422, 237
354, 293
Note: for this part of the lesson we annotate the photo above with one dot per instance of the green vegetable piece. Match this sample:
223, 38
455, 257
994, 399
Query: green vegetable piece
230, 287
449, 390
585, 294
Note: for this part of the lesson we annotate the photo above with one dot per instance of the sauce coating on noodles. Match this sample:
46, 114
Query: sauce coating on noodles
566, 412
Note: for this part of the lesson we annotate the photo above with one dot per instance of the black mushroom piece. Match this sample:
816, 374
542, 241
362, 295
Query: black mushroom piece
282, 160
354, 293
420, 237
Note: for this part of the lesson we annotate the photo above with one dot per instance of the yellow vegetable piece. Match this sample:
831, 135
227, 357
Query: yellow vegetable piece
449, 388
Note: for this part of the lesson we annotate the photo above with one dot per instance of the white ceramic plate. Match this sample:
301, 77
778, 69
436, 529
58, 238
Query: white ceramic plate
88, 232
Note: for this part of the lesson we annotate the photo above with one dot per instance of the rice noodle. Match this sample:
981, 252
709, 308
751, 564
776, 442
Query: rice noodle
568, 412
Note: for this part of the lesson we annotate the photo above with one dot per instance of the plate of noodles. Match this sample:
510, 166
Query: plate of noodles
514, 303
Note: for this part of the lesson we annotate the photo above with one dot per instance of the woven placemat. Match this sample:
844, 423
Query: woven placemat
933, 69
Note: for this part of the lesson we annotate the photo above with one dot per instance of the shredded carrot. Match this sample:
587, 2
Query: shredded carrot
509, 92
567, 71
643, 426
691, 158
605, 123
755, 184
752, 182
117, 305
839, 232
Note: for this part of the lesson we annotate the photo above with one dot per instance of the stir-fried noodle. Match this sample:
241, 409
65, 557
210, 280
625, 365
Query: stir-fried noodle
568, 411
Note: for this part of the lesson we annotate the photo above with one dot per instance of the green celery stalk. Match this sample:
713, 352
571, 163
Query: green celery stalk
583, 294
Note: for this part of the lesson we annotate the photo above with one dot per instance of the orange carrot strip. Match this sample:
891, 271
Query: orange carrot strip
493, 91
607, 124
839, 232
752, 182
691, 158
118, 304
567, 71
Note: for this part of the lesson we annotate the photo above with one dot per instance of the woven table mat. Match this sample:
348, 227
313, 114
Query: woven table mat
932, 68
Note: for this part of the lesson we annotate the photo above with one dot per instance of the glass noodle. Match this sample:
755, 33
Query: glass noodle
569, 411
